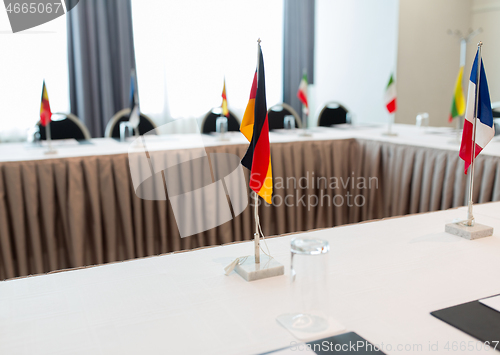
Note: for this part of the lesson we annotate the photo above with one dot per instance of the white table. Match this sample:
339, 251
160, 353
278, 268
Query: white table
385, 277
431, 137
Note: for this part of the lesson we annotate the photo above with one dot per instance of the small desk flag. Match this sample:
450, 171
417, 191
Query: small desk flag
485, 129
225, 110
458, 103
302, 93
390, 95
45, 113
255, 128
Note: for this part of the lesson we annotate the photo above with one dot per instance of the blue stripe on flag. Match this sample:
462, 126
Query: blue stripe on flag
484, 110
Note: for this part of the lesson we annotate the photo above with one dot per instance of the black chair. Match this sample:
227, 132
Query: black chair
69, 127
208, 124
146, 124
495, 109
333, 113
276, 116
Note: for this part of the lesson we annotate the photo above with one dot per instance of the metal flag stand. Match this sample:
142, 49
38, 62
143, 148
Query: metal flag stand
256, 267
469, 229
50, 149
389, 132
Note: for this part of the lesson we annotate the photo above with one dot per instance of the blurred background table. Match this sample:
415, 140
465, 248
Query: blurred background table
79, 208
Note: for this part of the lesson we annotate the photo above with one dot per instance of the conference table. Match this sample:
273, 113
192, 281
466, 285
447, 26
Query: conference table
79, 206
383, 279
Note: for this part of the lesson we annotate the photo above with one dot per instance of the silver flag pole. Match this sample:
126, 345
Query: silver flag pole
256, 235
470, 217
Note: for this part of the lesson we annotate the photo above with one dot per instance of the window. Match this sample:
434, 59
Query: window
184, 49
28, 58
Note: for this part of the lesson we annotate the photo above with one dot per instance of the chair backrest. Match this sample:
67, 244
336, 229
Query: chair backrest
276, 116
69, 127
208, 124
146, 124
333, 113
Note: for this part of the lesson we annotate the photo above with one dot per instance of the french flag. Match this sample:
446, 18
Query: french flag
485, 130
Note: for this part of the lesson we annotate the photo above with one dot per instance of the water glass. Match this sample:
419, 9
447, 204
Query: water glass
309, 279
221, 125
289, 122
126, 131
422, 120
34, 135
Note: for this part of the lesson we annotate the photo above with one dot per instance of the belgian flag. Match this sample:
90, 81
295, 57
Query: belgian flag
255, 128
45, 113
225, 110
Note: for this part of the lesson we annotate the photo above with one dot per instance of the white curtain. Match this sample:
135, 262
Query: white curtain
184, 49
28, 58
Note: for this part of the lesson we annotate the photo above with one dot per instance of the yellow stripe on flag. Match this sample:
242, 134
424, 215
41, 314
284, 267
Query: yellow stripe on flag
266, 191
246, 126
459, 93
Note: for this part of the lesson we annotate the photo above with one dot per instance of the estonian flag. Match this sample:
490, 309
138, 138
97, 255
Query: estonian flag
45, 113
485, 130
255, 128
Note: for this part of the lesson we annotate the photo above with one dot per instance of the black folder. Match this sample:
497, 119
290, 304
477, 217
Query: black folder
346, 343
475, 319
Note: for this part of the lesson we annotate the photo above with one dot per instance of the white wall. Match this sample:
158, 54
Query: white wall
355, 53
486, 14
428, 57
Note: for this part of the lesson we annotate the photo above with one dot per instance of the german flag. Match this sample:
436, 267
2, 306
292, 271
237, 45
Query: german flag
45, 113
225, 110
255, 128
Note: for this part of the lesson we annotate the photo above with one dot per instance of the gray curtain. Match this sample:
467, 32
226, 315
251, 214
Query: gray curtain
298, 48
101, 56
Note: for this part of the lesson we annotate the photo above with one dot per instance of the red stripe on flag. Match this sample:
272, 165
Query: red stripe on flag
302, 97
466, 146
46, 114
253, 90
261, 156
391, 106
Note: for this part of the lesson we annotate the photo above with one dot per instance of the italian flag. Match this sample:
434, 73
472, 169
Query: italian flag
390, 95
302, 93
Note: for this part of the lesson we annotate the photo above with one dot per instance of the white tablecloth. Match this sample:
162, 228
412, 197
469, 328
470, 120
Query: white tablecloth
431, 137
385, 277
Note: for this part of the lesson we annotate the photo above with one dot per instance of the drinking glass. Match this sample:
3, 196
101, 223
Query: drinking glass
221, 125
126, 131
309, 291
422, 120
289, 122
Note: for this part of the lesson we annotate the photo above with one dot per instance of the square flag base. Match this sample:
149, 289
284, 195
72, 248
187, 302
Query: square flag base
469, 232
267, 267
389, 134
